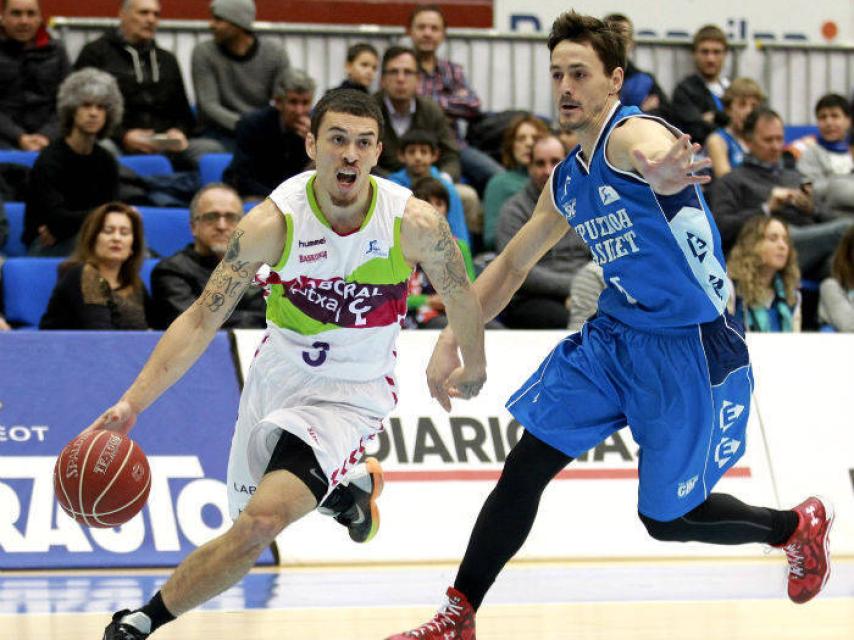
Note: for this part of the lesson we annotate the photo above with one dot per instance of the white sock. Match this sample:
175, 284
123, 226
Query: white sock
138, 620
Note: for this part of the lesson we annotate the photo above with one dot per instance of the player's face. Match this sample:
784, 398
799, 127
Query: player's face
115, 240
347, 147
833, 124
139, 20
740, 109
709, 58
21, 19
363, 69
774, 246
580, 85
90, 118
766, 143
427, 31
546, 155
418, 159
217, 214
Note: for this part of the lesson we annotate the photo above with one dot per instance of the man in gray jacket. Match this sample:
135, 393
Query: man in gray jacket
235, 72
540, 303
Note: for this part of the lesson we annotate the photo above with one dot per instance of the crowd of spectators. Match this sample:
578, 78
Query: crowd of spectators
784, 212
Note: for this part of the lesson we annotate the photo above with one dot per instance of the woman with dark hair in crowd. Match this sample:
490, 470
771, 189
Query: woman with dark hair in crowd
99, 285
763, 266
516, 146
836, 295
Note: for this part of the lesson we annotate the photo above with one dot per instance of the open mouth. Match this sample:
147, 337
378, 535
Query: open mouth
346, 176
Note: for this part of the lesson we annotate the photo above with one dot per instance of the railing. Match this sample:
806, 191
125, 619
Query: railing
510, 70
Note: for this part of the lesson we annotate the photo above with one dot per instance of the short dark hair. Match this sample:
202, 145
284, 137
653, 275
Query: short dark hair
356, 103
396, 51
429, 187
421, 8
419, 136
753, 118
709, 32
359, 48
831, 101
608, 44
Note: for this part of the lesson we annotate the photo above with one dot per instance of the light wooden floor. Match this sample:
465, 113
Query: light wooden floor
700, 600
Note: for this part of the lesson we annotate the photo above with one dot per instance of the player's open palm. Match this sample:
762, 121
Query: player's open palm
120, 417
676, 169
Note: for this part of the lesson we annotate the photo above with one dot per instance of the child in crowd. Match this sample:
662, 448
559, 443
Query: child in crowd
419, 152
726, 146
425, 309
363, 60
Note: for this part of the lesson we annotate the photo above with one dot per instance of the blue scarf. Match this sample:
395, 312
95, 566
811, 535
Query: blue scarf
840, 146
758, 317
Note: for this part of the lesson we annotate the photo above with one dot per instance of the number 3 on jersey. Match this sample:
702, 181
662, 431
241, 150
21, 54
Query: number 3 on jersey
318, 357
615, 280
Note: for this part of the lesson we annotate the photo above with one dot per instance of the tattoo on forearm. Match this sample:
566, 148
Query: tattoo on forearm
228, 281
453, 271
233, 249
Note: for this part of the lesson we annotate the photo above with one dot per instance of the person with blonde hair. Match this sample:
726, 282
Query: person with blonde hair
763, 266
836, 294
726, 146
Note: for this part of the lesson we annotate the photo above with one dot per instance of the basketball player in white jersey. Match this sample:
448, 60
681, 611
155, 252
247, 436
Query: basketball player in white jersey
340, 245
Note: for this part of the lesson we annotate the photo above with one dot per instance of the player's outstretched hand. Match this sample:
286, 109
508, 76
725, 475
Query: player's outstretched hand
444, 361
675, 170
120, 417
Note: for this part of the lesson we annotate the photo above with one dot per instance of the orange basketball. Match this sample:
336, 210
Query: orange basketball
101, 479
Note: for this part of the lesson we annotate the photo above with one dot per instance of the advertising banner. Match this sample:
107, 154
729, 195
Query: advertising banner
54, 384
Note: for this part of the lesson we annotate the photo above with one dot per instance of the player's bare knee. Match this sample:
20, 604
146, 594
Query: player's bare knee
258, 529
665, 531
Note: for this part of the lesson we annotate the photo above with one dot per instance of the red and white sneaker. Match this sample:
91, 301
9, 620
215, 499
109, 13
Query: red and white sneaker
807, 550
453, 621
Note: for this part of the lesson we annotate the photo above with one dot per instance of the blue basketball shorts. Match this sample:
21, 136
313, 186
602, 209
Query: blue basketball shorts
684, 393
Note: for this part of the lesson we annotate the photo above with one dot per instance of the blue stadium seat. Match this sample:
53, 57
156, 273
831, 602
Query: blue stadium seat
167, 229
211, 167
13, 156
27, 285
794, 131
153, 164
14, 248
145, 273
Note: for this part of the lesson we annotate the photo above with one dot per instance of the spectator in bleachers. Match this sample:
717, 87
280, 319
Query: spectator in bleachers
762, 185
726, 145
516, 146
403, 110
827, 161
271, 141
698, 107
32, 66
445, 82
584, 291
836, 294
763, 267
425, 309
640, 88
99, 285
540, 303
74, 174
177, 281
361, 67
419, 151
158, 118
236, 72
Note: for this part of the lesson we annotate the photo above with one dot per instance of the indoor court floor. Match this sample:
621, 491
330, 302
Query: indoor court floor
698, 599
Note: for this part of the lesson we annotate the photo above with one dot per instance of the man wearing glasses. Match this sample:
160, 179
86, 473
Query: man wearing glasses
179, 279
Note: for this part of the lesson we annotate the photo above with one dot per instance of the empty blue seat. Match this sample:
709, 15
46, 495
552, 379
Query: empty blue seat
153, 164
145, 273
167, 229
212, 166
27, 285
14, 248
13, 156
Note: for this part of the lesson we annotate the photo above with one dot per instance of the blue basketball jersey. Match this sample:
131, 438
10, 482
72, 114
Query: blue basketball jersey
661, 255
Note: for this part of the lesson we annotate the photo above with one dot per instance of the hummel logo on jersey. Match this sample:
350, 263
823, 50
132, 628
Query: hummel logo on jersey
608, 194
569, 209
374, 249
730, 412
698, 246
717, 284
725, 450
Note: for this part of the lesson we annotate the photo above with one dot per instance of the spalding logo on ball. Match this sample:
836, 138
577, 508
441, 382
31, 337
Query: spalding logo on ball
101, 479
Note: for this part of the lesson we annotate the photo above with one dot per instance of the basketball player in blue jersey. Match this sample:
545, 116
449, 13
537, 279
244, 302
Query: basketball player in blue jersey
341, 245
661, 356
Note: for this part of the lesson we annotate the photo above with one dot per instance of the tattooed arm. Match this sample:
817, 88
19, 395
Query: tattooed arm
258, 239
426, 239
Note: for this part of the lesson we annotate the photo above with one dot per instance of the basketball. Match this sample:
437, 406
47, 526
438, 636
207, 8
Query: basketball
101, 479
